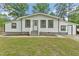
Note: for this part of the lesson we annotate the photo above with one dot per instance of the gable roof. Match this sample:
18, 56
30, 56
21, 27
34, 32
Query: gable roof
39, 14
73, 23
43, 15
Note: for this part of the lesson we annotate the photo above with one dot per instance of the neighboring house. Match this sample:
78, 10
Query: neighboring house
40, 24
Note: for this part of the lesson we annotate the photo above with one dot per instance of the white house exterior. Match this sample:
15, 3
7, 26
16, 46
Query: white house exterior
40, 24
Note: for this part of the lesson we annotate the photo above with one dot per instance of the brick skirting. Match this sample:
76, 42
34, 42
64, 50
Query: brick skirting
53, 33
16, 33
41, 33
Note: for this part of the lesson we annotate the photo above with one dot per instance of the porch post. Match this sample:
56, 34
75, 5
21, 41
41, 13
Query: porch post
58, 26
21, 25
38, 27
30, 26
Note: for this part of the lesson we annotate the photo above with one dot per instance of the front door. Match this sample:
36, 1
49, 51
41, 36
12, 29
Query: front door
35, 28
70, 30
35, 25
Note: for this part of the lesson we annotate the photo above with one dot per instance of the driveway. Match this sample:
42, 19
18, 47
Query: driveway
75, 37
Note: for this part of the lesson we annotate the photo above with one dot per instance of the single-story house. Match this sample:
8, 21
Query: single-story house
40, 24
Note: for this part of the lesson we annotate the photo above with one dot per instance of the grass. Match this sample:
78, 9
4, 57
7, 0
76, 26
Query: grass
36, 46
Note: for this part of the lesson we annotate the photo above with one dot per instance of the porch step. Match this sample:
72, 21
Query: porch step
34, 33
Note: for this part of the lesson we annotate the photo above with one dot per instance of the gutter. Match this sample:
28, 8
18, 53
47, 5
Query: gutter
58, 25
4, 27
21, 25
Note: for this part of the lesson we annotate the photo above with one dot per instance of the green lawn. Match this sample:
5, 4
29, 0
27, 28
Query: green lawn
36, 46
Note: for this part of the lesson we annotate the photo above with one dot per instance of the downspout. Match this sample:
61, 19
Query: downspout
76, 29
21, 25
58, 26
4, 27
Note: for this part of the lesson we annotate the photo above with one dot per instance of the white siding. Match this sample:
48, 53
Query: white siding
74, 29
23, 27
8, 27
39, 17
54, 29
67, 29
63, 23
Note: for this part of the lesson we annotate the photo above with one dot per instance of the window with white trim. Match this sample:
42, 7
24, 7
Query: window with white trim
27, 23
50, 23
43, 23
63, 27
13, 25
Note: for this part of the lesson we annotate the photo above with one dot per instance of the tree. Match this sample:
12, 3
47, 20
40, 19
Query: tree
16, 9
3, 19
62, 9
41, 8
74, 16
52, 13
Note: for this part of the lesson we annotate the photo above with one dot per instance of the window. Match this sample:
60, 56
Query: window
50, 23
35, 22
63, 27
43, 23
27, 23
14, 25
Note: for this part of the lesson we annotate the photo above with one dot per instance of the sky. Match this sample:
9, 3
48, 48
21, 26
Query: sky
51, 6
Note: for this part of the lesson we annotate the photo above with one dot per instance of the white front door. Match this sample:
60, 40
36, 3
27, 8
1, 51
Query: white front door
35, 28
70, 29
35, 25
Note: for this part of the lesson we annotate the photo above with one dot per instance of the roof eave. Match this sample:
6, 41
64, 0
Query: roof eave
39, 14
